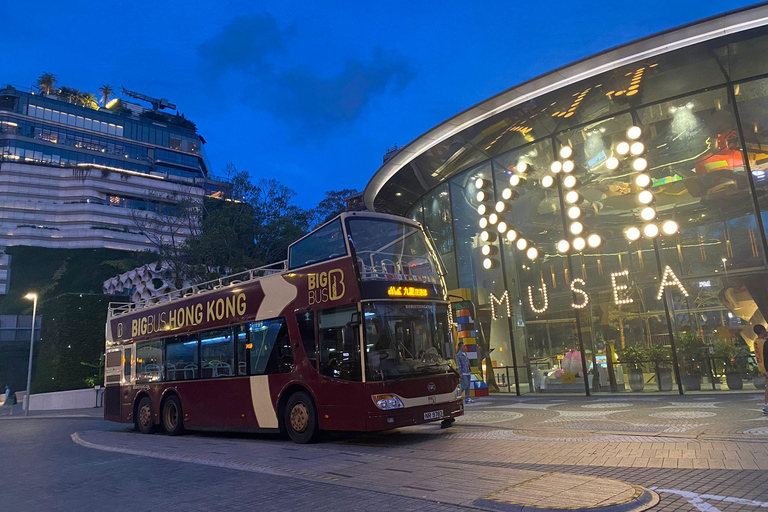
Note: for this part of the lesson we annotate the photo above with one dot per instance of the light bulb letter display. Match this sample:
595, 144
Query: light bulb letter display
620, 287
670, 279
579, 291
545, 297
504, 300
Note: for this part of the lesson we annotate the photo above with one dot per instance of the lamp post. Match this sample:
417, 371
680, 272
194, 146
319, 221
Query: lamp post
32, 297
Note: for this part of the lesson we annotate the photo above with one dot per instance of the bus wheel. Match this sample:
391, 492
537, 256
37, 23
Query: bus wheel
173, 422
300, 418
143, 419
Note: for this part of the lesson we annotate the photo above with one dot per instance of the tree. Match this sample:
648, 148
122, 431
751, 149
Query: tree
69, 93
278, 221
46, 83
333, 204
88, 100
106, 91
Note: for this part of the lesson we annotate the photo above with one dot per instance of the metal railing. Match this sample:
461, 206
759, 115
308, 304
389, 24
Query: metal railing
121, 308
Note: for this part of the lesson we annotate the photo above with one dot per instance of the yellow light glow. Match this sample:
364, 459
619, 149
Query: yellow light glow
532, 253
515, 180
642, 180
594, 240
645, 197
612, 163
572, 197
634, 133
483, 223
481, 183
511, 235
521, 166
493, 218
556, 167
622, 148
570, 181
544, 295
637, 148
576, 228
632, 234
566, 152
670, 279
568, 166
651, 230
482, 209
574, 212
407, 291
522, 244
563, 246
488, 263
579, 291
111, 103
669, 227
648, 213
501, 206
579, 243
507, 193
547, 181
639, 164
481, 196
620, 287
502, 227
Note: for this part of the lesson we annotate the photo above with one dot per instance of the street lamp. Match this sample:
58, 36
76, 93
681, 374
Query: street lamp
32, 297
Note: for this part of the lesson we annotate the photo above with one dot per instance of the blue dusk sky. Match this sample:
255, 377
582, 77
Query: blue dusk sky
313, 93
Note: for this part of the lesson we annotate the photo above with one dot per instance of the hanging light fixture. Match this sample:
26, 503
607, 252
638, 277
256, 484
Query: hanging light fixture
579, 243
573, 197
501, 206
502, 227
566, 152
634, 132
632, 233
532, 253
547, 181
483, 223
637, 148
556, 166
576, 228
645, 197
481, 183
568, 166
563, 246
574, 212
648, 213
570, 181
522, 243
594, 240
651, 230
612, 163
521, 166
493, 218
511, 235
669, 227
642, 180
622, 148
482, 209
639, 164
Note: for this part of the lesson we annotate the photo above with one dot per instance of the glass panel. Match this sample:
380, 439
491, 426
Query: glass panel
270, 347
243, 354
149, 361
324, 244
439, 223
306, 323
217, 353
181, 358
339, 354
406, 339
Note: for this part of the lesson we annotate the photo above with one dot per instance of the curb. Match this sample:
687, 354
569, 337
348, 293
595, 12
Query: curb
62, 416
643, 500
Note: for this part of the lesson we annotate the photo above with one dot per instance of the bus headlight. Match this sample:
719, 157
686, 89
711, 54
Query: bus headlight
387, 402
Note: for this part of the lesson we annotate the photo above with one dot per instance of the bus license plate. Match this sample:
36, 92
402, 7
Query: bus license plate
433, 415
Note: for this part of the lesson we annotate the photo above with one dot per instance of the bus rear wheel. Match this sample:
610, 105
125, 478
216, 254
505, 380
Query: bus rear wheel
143, 419
173, 422
300, 418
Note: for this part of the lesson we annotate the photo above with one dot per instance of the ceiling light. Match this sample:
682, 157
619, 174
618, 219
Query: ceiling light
669, 227
511, 235
502, 227
481, 196
493, 218
521, 244
612, 163
639, 164
632, 233
634, 132
563, 246
645, 197
547, 181
487, 250
481, 183
594, 240
508, 194
574, 212
576, 228
482, 209
532, 253
521, 166
642, 180
516, 180
648, 213
622, 148
651, 230
568, 166
501, 206
556, 167
579, 243
570, 181
637, 148
483, 223
566, 152
488, 263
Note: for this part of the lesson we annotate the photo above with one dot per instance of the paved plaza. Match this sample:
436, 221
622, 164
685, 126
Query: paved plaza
702, 452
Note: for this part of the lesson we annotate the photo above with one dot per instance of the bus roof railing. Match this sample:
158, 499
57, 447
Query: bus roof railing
121, 308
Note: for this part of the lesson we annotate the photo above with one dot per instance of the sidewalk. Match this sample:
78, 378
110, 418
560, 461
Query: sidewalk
18, 413
456, 483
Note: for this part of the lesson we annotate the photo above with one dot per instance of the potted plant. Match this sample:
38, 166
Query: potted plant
691, 353
632, 358
736, 365
659, 355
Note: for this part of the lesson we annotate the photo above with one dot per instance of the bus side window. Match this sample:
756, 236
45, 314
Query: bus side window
127, 366
337, 359
306, 323
243, 353
149, 361
271, 347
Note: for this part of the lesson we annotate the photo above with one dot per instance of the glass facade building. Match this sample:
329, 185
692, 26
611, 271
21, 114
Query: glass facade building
608, 219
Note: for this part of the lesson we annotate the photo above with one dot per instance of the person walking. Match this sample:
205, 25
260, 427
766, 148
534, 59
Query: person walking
760, 348
9, 399
464, 371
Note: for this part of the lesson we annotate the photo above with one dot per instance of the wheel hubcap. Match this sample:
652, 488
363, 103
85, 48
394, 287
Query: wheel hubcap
171, 416
145, 415
299, 418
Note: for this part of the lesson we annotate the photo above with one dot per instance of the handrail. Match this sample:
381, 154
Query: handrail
121, 308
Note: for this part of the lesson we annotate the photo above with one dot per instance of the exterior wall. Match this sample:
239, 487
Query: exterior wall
75, 399
64, 205
702, 111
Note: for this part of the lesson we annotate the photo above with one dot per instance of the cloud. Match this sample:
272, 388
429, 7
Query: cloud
309, 103
247, 44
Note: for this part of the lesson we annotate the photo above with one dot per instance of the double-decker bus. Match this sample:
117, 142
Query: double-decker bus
352, 332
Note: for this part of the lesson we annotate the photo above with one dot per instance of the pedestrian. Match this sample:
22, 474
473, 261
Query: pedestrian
9, 399
464, 371
760, 347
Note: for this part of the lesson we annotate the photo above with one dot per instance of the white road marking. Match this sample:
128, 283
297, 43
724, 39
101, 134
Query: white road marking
697, 500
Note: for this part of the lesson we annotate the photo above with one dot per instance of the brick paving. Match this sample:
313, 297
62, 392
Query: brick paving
708, 462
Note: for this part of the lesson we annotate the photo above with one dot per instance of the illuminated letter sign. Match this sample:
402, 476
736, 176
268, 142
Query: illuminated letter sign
503, 300
578, 291
620, 287
544, 295
672, 281
407, 291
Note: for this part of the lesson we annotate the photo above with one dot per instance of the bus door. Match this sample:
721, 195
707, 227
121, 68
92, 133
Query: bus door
340, 367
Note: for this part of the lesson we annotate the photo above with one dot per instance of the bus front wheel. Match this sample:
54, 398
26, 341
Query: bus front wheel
144, 422
301, 418
173, 422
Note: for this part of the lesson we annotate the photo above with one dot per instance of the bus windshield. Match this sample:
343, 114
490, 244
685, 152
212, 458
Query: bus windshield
386, 246
403, 339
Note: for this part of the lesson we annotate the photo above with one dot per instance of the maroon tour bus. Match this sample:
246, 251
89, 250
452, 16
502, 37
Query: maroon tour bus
352, 333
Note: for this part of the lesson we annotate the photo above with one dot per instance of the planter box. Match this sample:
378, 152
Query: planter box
664, 379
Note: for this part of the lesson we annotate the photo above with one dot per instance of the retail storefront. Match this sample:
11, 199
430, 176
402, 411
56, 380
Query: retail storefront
608, 219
